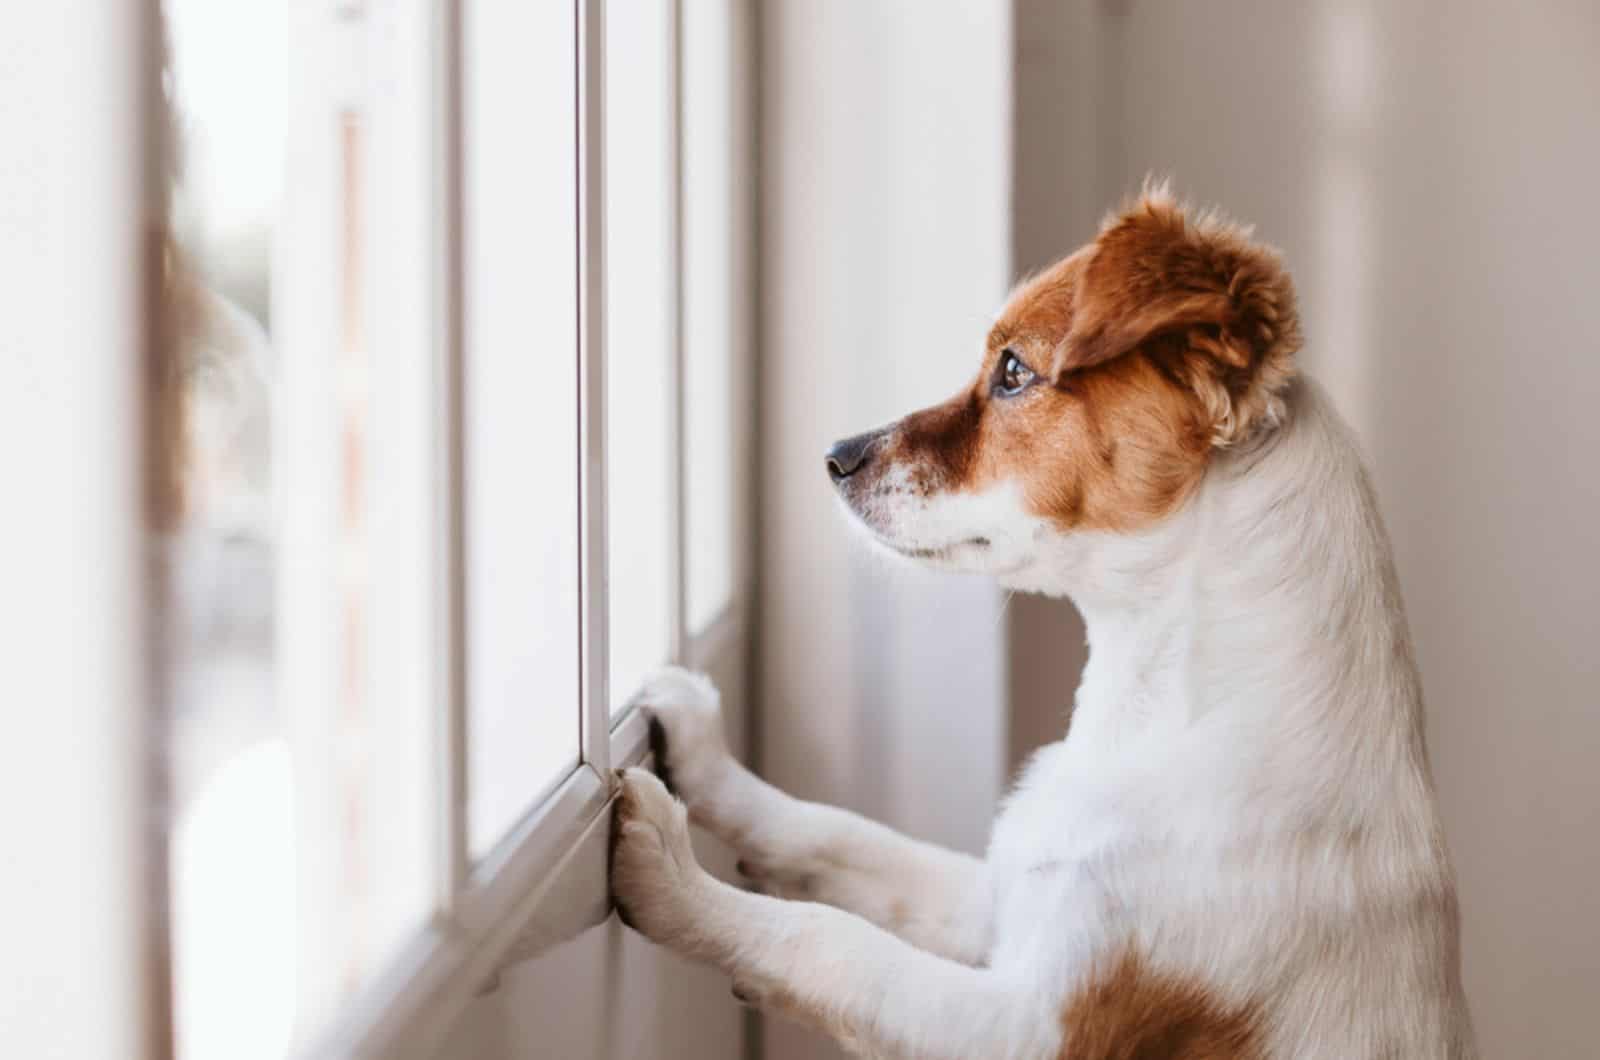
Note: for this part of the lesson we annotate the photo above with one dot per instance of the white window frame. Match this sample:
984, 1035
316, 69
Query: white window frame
545, 881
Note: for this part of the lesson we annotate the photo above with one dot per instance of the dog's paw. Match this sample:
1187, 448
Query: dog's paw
685, 715
655, 880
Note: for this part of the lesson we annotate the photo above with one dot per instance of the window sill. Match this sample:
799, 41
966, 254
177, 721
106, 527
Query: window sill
544, 884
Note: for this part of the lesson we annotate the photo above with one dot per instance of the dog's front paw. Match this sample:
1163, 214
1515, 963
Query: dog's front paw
685, 729
655, 880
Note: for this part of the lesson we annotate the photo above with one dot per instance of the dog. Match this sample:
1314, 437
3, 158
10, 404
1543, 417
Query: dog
1235, 851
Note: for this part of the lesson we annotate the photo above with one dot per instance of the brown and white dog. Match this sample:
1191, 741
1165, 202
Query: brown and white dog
1235, 851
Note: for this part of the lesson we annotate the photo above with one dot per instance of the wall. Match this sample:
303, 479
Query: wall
885, 160
1426, 168
84, 959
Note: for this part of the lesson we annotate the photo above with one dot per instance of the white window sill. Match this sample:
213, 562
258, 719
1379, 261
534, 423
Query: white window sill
544, 884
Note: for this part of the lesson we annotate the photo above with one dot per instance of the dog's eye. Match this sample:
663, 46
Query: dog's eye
1014, 376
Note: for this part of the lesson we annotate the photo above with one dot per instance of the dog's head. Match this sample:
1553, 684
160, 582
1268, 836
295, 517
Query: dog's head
1106, 385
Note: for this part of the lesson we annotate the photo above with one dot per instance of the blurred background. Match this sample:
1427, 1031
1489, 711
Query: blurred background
849, 190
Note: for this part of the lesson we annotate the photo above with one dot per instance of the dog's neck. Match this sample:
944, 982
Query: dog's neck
1270, 598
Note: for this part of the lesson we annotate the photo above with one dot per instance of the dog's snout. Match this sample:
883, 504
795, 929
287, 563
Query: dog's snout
851, 455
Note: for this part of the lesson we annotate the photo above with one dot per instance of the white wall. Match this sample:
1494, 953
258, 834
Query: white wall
1428, 169
83, 959
885, 162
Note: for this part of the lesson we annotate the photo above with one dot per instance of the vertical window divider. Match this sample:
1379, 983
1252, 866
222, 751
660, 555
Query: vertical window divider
678, 636
453, 863
594, 684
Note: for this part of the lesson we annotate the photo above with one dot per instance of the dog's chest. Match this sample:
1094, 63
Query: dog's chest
1086, 856
1058, 856
1062, 812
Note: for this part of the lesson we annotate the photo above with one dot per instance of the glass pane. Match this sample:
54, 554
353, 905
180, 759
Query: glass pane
639, 339
521, 408
297, 504
708, 313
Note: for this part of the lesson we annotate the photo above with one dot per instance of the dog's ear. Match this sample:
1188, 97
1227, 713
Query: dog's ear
1221, 305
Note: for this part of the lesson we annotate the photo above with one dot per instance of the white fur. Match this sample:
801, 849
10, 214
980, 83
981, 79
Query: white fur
985, 532
1243, 795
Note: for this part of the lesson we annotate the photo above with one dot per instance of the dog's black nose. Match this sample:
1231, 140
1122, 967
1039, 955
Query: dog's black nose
851, 455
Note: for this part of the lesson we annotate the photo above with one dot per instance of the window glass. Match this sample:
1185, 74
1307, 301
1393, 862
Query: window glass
521, 408
711, 461
295, 508
640, 339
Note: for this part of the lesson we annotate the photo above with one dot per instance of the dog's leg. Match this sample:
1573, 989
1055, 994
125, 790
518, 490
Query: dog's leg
873, 992
934, 898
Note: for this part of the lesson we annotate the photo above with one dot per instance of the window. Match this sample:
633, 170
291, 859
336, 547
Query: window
449, 448
673, 461
713, 459
520, 409
300, 617
641, 323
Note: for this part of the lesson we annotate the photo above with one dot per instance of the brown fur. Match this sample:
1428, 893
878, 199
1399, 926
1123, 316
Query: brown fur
1157, 343
1129, 1012
1152, 271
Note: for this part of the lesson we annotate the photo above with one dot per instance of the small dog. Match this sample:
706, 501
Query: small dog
1235, 852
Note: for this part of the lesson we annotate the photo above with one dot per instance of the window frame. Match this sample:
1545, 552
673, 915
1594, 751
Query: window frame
545, 880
